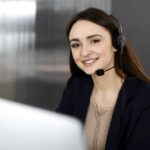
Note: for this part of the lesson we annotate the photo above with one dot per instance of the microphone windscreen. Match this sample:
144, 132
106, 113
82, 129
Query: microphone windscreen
100, 72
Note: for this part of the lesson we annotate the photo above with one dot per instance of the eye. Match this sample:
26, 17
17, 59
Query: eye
74, 45
95, 40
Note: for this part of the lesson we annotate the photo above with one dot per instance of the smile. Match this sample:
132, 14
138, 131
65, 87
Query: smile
89, 61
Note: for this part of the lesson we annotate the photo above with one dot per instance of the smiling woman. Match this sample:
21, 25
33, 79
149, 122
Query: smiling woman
114, 107
92, 47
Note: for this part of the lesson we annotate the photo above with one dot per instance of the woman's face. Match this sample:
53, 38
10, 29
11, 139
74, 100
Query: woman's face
91, 46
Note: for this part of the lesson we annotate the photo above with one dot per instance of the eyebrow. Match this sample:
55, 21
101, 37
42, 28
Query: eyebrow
88, 37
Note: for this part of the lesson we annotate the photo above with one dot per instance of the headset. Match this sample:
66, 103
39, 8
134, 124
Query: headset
118, 37
119, 43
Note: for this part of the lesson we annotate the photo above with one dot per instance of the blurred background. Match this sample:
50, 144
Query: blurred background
34, 51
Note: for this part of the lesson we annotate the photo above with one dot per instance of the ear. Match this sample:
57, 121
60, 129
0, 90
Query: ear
114, 49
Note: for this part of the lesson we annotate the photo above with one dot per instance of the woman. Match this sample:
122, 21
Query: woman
108, 89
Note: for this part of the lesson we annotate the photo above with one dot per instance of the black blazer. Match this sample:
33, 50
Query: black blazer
130, 125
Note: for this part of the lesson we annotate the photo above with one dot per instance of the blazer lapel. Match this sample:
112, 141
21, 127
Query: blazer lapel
114, 133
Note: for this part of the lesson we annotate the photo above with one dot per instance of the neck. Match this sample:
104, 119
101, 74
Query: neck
110, 80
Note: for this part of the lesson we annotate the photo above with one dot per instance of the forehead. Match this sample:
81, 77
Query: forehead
83, 28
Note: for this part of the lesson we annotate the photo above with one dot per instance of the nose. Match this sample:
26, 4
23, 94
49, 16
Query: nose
86, 50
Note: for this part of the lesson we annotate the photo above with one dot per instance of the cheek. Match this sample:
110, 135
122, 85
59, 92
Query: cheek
102, 51
106, 51
75, 55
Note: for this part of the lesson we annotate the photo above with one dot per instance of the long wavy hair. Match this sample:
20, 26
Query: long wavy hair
127, 64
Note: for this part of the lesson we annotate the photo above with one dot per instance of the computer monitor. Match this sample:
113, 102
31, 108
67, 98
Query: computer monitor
24, 127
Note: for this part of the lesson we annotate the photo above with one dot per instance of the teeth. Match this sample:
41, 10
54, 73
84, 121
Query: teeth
89, 61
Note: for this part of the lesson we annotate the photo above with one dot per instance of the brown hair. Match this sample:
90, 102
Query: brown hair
126, 64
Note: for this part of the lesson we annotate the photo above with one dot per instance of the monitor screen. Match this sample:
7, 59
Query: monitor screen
24, 127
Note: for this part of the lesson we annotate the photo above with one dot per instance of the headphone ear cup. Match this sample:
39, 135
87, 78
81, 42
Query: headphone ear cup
118, 38
120, 43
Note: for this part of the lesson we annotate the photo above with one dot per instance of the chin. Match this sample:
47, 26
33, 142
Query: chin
89, 72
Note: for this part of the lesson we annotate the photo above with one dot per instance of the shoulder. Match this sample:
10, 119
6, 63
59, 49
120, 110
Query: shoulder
136, 113
137, 88
137, 94
75, 96
77, 88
